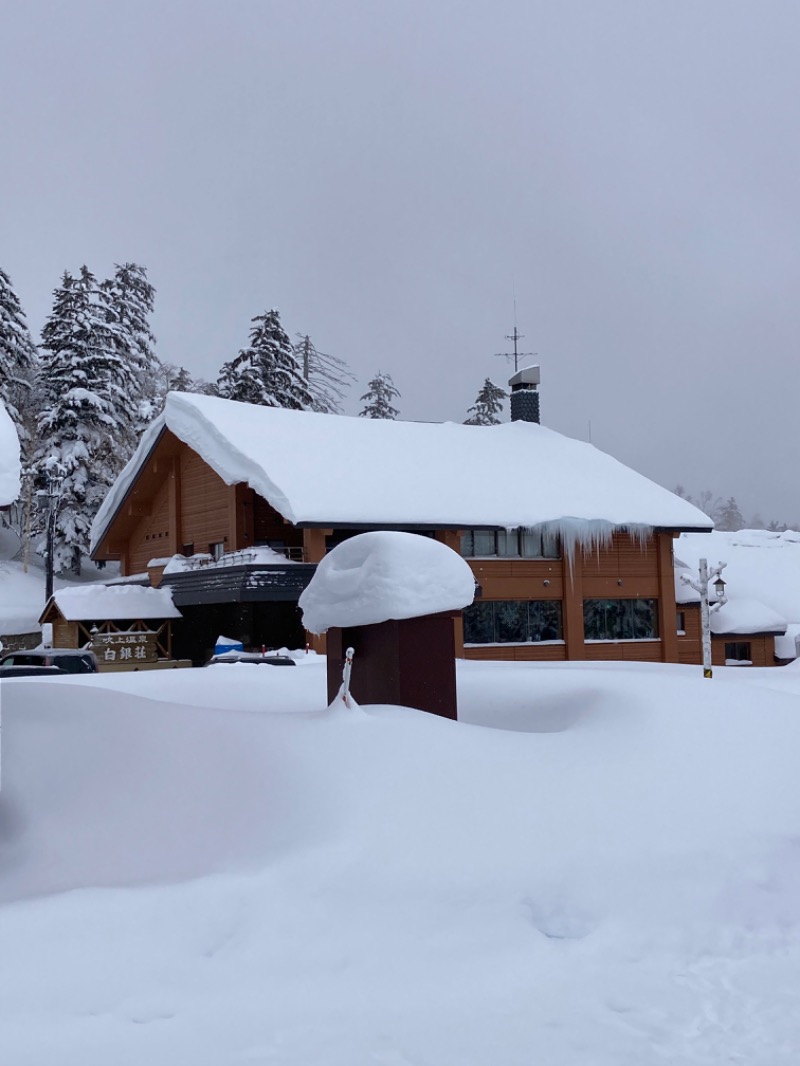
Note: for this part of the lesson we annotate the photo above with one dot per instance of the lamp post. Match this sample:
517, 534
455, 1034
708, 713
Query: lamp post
55, 482
708, 577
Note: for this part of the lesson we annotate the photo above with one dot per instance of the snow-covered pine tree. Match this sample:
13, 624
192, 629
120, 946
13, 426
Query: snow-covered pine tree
267, 371
379, 396
83, 394
327, 376
487, 406
729, 517
18, 361
128, 299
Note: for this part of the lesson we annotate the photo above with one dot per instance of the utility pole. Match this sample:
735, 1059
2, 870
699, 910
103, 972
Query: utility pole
55, 481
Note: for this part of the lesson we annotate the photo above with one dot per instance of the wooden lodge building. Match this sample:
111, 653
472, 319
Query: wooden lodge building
230, 506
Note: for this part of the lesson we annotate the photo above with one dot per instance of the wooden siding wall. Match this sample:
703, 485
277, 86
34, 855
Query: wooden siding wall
205, 505
270, 526
151, 539
627, 569
690, 649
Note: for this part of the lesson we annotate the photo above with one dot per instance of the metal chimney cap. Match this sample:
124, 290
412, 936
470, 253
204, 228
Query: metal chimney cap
529, 375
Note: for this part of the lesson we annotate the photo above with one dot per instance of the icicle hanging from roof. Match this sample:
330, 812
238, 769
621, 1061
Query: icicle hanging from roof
590, 535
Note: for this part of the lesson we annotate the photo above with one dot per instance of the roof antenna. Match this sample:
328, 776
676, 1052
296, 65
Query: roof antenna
516, 337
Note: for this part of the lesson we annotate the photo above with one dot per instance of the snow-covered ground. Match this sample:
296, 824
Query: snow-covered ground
599, 865
22, 594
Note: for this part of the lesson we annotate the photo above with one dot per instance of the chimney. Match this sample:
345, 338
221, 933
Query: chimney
524, 395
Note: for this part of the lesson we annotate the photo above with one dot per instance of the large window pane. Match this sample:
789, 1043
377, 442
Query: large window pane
550, 546
484, 542
620, 619
544, 620
479, 623
643, 618
532, 544
508, 543
467, 544
511, 621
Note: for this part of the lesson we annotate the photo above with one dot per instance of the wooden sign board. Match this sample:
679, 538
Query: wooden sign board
129, 649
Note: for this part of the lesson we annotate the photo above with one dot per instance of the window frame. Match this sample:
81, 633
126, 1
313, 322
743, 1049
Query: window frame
486, 616
502, 539
621, 614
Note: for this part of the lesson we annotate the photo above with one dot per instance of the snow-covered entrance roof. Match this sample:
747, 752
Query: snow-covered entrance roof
113, 602
9, 459
335, 470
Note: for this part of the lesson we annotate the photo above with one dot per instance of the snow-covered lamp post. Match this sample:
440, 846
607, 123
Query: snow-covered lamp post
55, 482
708, 577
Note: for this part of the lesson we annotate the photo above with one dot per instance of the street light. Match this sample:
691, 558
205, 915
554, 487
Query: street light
55, 482
705, 577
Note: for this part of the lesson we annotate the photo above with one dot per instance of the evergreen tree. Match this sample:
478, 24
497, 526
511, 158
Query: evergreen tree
83, 394
327, 376
729, 518
128, 299
266, 372
487, 406
379, 397
18, 361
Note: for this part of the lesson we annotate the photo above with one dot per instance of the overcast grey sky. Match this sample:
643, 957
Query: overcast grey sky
390, 175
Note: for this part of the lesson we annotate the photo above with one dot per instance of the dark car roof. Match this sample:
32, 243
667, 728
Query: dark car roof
29, 671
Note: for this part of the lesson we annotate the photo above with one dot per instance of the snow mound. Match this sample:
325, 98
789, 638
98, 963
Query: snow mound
376, 576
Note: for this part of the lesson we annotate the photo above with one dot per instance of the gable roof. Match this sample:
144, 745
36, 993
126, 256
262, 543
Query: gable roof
112, 603
334, 470
9, 459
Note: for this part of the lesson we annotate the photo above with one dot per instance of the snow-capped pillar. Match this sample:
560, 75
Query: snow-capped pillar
525, 395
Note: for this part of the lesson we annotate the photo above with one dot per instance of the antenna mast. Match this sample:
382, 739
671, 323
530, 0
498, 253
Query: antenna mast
516, 337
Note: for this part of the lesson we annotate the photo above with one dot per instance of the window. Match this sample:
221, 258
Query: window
738, 654
620, 619
512, 622
217, 549
187, 550
680, 623
530, 544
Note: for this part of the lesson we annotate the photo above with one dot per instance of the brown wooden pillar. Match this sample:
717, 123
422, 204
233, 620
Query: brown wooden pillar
314, 552
667, 607
175, 540
573, 606
452, 538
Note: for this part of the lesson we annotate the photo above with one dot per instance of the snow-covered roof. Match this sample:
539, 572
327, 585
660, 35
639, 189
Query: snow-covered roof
9, 459
761, 566
742, 615
787, 646
335, 470
111, 602
377, 576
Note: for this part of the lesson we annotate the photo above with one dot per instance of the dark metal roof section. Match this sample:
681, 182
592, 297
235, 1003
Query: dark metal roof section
246, 583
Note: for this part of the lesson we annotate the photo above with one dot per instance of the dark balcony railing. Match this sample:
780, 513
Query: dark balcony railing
238, 582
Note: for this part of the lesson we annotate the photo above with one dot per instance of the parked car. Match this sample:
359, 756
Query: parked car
29, 671
68, 660
256, 657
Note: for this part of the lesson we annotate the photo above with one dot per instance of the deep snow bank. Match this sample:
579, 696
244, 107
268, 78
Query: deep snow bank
611, 878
